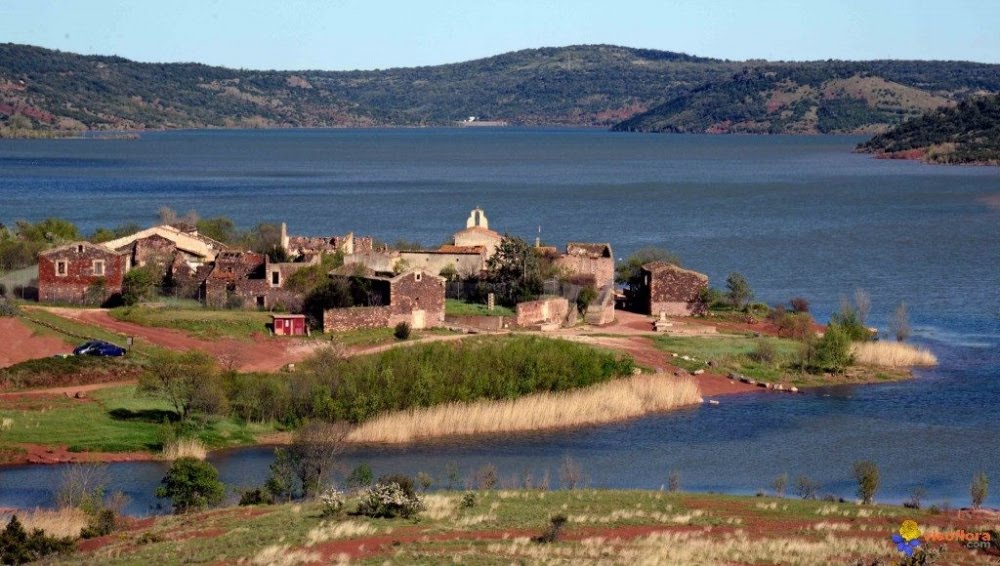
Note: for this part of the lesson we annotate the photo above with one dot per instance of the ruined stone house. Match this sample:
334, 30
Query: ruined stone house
596, 260
414, 297
670, 290
80, 273
251, 280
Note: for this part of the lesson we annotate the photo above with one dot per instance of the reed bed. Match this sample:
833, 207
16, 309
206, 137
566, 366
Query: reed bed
65, 522
607, 402
891, 354
185, 448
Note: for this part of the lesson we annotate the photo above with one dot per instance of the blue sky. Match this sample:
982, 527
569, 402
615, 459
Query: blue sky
349, 34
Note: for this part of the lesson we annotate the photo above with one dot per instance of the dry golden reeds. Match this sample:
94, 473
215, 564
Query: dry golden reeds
185, 448
891, 354
64, 522
607, 402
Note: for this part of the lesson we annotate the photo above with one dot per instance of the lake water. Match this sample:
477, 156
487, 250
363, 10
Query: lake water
797, 215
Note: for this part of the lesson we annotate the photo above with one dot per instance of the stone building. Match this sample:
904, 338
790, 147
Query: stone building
348, 244
414, 297
596, 260
464, 260
251, 280
80, 273
160, 244
671, 290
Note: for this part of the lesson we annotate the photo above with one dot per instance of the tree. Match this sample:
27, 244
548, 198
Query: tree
863, 304
140, 284
867, 475
314, 454
806, 488
50, 230
980, 489
587, 295
191, 484
515, 271
832, 352
899, 325
189, 381
219, 228
849, 321
739, 290
449, 272
779, 485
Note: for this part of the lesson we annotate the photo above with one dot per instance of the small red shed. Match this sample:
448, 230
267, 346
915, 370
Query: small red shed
289, 324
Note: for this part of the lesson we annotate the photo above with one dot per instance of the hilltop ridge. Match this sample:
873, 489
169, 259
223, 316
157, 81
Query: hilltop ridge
581, 85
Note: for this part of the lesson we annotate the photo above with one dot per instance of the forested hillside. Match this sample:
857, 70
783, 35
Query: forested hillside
967, 133
42, 90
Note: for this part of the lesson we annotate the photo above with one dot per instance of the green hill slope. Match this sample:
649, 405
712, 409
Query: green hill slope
967, 133
587, 85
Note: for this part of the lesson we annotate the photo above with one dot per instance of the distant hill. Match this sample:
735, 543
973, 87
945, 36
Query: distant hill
818, 97
590, 85
966, 133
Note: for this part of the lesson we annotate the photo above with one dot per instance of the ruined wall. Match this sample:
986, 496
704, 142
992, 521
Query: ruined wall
479, 322
601, 311
153, 250
543, 311
417, 291
673, 291
355, 318
601, 268
434, 262
79, 274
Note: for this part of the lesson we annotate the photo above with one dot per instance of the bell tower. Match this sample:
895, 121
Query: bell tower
477, 219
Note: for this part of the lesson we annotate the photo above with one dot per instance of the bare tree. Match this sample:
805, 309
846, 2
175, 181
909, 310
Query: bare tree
863, 304
570, 473
82, 486
315, 452
900, 323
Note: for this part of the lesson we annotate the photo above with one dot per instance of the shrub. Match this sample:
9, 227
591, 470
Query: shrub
551, 535
333, 501
586, 296
468, 500
900, 323
256, 496
425, 480
402, 331
806, 488
389, 500
849, 322
867, 475
486, 477
765, 352
191, 484
832, 352
8, 309
360, 476
917, 495
797, 326
101, 524
800, 304
980, 489
140, 284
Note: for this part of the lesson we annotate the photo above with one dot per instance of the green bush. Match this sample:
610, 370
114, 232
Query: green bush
402, 331
867, 475
140, 284
191, 484
392, 496
101, 524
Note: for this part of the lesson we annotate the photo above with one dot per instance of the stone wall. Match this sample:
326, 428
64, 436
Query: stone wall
543, 311
417, 291
355, 318
79, 275
433, 261
601, 268
672, 290
480, 322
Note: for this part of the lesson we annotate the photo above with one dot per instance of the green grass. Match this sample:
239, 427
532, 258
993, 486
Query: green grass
68, 371
449, 535
111, 420
456, 307
69, 327
731, 354
201, 322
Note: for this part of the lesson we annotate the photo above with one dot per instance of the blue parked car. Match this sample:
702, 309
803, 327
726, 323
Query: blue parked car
98, 348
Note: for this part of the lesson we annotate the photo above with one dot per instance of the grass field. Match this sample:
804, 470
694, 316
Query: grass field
602, 527
733, 353
461, 308
201, 322
109, 420
69, 328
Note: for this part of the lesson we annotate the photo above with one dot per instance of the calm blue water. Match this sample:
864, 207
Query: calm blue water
797, 215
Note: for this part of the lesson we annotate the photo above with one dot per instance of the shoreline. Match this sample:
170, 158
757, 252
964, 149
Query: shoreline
711, 387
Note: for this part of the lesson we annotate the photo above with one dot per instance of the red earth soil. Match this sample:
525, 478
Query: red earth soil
18, 343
